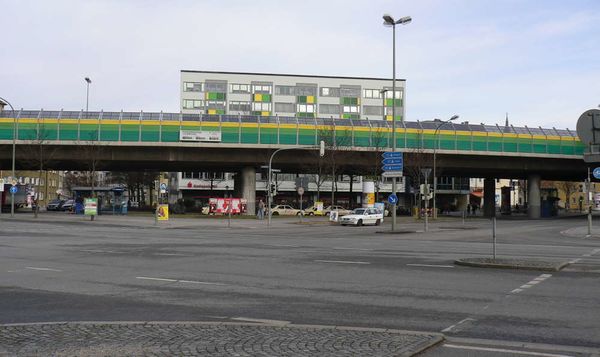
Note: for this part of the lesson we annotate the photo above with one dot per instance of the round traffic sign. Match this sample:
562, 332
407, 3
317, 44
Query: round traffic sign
596, 172
300, 191
588, 126
393, 199
13, 189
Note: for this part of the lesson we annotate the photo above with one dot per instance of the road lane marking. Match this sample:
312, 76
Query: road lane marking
199, 282
431, 265
100, 251
575, 261
531, 283
361, 249
340, 261
282, 245
172, 254
262, 321
502, 350
179, 281
456, 326
158, 279
43, 269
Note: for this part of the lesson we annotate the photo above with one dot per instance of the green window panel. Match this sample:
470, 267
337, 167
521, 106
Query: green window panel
287, 136
268, 136
510, 146
130, 132
349, 101
389, 102
463, 143
88, 132
539, 146
413, 140
109, 132
525, 147
554, 149
170, 133
351, 116
249, 135
446, 144
479, 143
229, 134
150, 133
568, 150
68, 132
6, 131
361, 138
302, 99
215, 96
26, 131
494, 144
579, 150
306, 137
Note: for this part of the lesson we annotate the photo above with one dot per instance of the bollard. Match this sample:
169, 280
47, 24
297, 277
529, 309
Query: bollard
494, 237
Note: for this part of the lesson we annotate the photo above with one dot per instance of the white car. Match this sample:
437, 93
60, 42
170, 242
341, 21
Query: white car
285, 210
362, 216
341, 210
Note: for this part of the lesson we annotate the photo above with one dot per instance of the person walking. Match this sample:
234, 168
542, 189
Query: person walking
261, 210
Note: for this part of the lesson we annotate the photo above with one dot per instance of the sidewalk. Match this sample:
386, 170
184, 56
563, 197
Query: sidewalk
207, 339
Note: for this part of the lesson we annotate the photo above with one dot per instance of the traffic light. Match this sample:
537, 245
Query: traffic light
273, 189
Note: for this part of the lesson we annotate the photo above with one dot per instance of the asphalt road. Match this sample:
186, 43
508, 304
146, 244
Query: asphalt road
66, 269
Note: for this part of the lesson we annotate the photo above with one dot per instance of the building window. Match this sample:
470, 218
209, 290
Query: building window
329, 109
372, 93
350, 92
239, 106
350, 109
261, 107
240, 88
192, 86
306, 90
330, 92
215, 86
305, 108
388, 94
193, 104
372, 110
284, 107
262, 88
285, 90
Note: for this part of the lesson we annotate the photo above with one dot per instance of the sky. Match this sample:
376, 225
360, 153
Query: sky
538, 61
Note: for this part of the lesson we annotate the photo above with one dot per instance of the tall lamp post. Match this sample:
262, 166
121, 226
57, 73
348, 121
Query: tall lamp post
87, 94
12, 201
437, 143
388, 20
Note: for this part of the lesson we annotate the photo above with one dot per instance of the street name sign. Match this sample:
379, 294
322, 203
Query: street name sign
392, 174
392, 155
392, 161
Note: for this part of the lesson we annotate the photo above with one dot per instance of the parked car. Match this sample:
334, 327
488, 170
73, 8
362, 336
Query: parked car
54, 205
69, 205
312, 211
341, 210
285, 210
362, 216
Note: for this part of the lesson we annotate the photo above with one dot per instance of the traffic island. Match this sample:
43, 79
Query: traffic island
507, 263
208, 339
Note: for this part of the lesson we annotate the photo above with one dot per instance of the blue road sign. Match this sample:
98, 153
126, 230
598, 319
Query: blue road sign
163, 186
392, 161
392, 167
596, 172
13, 189
393, 199
392, 155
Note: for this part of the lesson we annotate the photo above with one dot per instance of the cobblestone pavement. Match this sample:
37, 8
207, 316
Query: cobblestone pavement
206, 339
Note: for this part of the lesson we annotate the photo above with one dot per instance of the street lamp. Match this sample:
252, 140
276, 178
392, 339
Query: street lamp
437, 143
388, 20
12, 201
87, 94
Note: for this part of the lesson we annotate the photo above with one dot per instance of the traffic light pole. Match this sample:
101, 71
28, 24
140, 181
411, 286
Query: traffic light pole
321, 148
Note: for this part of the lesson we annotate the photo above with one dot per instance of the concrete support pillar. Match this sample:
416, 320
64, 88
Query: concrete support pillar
489, 197
248, 189
461, 202
534, 200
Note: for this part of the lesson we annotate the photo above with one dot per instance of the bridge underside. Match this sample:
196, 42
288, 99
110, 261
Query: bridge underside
233, 159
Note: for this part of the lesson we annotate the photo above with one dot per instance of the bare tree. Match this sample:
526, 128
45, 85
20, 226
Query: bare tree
39, 154
415, 160
92, 152
378, 143
568, 188
335, 142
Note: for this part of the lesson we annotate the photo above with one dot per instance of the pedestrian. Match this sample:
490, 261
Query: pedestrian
261, 210
468, 208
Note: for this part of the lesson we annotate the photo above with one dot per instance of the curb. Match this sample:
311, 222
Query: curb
557, 267
435, 337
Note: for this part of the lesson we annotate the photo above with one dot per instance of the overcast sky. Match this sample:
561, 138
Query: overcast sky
537, 60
